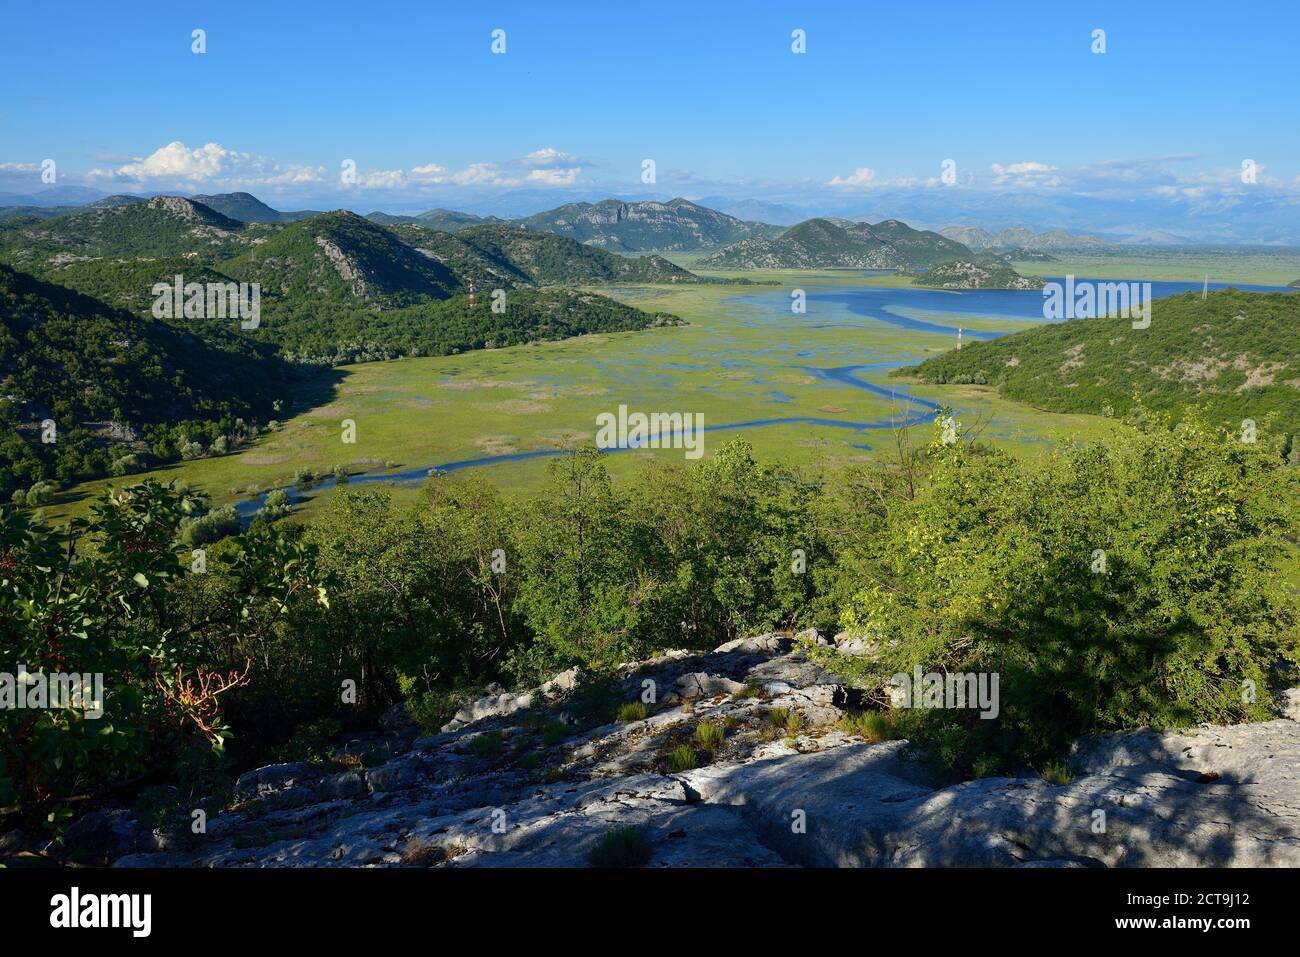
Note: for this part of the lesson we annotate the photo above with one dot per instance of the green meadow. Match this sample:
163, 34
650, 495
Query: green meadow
742, 357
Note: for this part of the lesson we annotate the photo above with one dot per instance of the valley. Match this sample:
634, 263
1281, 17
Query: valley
811, 390
816, 436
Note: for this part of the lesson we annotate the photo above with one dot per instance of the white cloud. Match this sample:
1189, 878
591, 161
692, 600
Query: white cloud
431, 172
176, 163
860, 178
1025, 174
554, 177
547, 156
483, 174
176, 160
382, 179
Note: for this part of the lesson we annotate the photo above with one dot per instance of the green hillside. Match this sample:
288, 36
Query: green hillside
163, 226
1234, 353
247, 208
976, 272
672, 226
439, 328
341, 257
114, 384
494, 255
831, 243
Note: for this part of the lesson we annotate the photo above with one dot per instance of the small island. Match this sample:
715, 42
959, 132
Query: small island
981, 272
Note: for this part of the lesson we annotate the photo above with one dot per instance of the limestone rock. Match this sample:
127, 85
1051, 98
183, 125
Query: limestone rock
765, 795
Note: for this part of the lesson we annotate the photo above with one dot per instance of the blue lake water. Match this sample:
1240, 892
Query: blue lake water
855, 305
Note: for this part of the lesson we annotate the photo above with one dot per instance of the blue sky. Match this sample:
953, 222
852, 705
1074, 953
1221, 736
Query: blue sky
1149, 135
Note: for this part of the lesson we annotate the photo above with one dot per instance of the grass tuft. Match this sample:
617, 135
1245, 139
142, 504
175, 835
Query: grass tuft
621, 847
632, 711
709, 736
682, 758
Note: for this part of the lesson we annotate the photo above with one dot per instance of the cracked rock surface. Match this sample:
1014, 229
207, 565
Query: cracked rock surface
539, 779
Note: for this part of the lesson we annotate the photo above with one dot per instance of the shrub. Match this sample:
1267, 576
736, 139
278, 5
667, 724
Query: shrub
1108, 586
621, 847
487, 744
874, 726
42, 493
1057, 772
785, 718
277, 505
632, 711
213, 526
125, 465
122, 604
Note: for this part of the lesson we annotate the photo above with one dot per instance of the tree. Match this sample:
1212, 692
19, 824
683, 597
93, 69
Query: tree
1112, 586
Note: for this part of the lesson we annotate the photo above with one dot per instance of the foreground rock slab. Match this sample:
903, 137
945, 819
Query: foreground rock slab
545, 778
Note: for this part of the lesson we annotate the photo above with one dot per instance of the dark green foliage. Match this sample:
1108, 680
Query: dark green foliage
341, 257
976, 272
686, 557
115, 598
621, 847
114, 385
1234, 354
967, 559
319, 334
163, 226
1110, 586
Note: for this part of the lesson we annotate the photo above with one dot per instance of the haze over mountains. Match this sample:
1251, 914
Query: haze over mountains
1057, 240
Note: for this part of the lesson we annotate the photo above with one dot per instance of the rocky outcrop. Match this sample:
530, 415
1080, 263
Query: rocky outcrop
541, 779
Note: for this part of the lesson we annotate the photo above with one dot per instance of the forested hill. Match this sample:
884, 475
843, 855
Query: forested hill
1234, 353
675, 225
444, 327
114, 384
832, 243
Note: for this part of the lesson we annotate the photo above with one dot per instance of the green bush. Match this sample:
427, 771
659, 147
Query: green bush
121, 603
211, 527
1108, 586
682, 758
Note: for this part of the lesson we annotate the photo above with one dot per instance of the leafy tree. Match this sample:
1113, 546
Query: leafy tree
113, 598
1112, 586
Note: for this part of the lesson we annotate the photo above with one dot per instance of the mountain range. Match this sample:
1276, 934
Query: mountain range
81, 342
1017, 239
